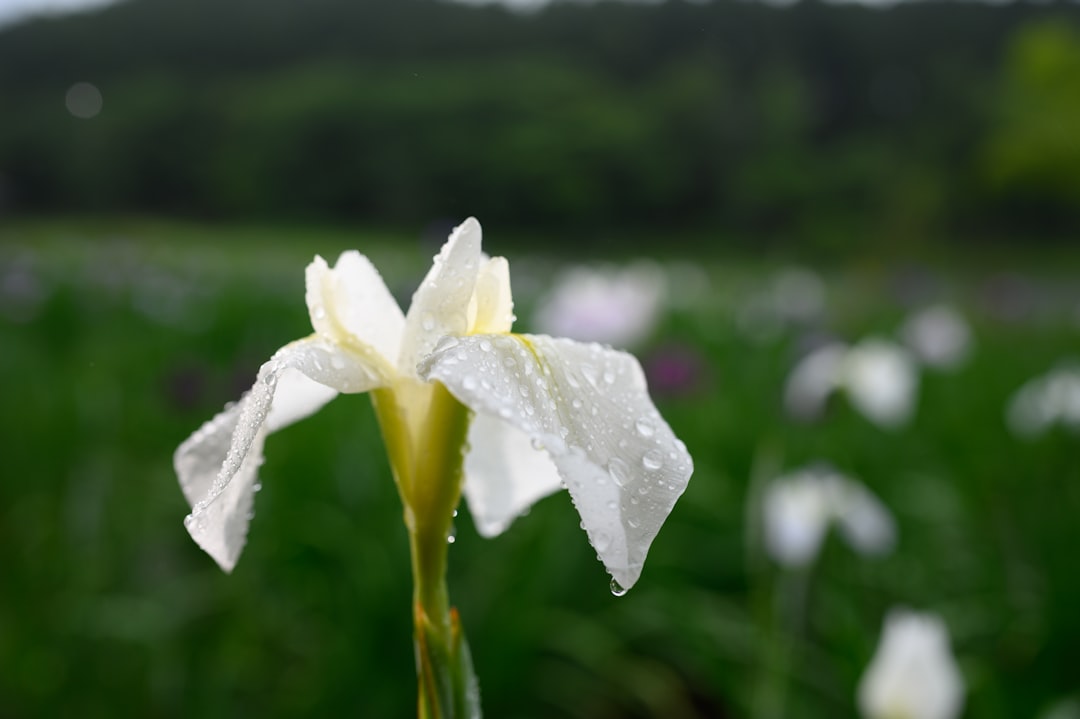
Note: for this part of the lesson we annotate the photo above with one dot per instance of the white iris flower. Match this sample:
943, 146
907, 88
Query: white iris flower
800, 507
531, 414
913, 674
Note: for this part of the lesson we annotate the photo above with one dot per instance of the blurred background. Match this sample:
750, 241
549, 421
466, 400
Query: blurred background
837, 236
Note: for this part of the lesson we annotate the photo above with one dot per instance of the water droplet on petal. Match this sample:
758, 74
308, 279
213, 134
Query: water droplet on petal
337, 361
601, 541
609, 376
652, 460
575, 403
318, 312
644, 427
469, 383
619, 471
485, 345
537, 443
617, 589
427, 321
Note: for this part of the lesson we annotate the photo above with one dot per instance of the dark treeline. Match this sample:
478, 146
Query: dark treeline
818, 122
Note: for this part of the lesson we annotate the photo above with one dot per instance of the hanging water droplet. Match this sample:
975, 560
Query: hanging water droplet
644, 427
617, 589
652, 460
451, 537
619, 471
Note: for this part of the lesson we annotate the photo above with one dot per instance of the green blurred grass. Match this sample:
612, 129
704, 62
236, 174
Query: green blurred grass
133, 332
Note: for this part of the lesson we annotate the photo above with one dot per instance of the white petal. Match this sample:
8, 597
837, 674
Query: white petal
864, 521
813, 380
352, 301
440, 306
217, 465
881, 380
913, 673
493, 304
796, 515
504, 474
588, 406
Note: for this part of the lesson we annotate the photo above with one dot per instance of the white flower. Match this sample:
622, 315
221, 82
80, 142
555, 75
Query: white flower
800, 507
547, 411
913, 674
879, 378
1053, 398
939, 336
617, 307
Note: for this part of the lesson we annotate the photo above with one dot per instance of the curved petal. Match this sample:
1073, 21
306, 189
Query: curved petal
813, 380
217, 465
504, 474
440, 306
588, 406
351, 302
492, 307
864, 520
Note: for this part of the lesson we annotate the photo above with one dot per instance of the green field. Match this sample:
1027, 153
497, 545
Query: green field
118, 338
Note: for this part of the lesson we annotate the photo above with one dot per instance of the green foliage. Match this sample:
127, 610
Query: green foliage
818, 122
1032, 155
120, 338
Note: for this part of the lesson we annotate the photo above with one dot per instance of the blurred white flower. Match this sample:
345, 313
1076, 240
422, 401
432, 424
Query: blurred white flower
913, 674
795, 295
617, 307
880, 379
1053, 398
939, 336
800, 507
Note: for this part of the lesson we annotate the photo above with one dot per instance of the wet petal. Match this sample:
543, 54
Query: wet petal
504, 474
217, 465
440, 306
589, 408
492, 302
351, 304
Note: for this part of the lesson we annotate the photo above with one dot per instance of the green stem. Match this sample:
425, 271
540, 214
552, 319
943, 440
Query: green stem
425, 429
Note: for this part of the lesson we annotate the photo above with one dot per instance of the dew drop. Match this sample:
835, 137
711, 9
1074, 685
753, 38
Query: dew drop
337, 362
537, 443
575, 403
619, 471
601, 541
609, 376
318, 312
652, 460
427, 322
469, 383
644, 427
617, 589
485, 345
